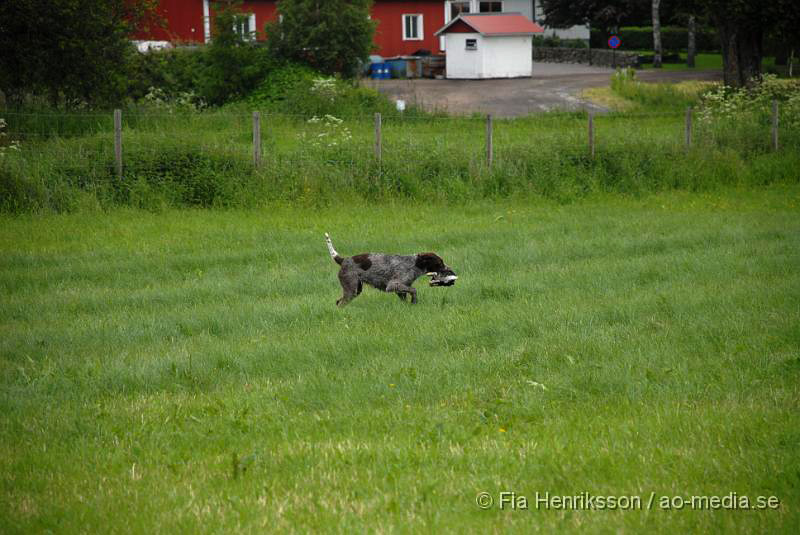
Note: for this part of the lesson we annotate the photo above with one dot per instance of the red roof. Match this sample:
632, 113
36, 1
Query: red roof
493, 24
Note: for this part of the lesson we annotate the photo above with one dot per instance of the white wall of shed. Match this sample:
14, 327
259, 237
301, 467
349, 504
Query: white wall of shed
496, 57
463, 63
507, 57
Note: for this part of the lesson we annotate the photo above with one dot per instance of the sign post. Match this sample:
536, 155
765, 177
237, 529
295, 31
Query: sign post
614, 43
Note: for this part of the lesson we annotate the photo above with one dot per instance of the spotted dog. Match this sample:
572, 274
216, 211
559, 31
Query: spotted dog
388, 272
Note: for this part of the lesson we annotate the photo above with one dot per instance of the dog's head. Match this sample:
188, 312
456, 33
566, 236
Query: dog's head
440, 273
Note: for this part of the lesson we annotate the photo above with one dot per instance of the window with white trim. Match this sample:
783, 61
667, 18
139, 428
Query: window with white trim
456, 8
412, 27
472, 44
245, 26
490, 7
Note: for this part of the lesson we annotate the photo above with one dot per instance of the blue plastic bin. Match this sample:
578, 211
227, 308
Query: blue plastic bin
397, 67
380, 71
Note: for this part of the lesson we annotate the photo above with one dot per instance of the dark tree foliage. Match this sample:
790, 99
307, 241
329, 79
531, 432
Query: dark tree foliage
603, 14
332, 36
741, 25
233, 66
68, 50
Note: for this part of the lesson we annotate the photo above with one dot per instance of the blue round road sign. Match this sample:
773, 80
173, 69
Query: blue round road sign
614, 41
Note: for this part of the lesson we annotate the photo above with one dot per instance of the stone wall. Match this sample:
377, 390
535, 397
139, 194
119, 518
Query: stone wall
599, 57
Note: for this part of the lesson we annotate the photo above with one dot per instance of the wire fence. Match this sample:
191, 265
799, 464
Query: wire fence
260, 138
56, 161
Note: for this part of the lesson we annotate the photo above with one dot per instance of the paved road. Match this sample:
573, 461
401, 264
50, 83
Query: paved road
553, 86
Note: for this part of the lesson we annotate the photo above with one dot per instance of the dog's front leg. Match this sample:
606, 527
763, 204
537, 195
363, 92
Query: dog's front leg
402, 289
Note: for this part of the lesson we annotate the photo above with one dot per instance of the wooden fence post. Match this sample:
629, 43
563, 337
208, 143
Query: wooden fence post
775, 125
118, 142
688, 132
256, 139
378, 148
489, 141
591, 134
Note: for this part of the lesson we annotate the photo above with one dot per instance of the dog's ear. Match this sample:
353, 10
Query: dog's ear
428, 262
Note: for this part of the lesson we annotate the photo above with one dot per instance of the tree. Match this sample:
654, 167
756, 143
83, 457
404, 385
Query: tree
333, 36
741, 25
233, 66
68, 50
741, 28
597, 13
656, 35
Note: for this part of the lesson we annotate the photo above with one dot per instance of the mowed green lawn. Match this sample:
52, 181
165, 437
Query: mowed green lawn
188, 371
701, 61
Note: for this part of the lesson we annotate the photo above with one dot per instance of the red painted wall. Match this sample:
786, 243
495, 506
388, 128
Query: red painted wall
184, 20
461, 27
185, 23
265, 11
389, 32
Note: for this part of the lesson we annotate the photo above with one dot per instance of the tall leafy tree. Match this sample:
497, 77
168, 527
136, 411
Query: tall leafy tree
333, 36
68, 50
233, 65
741, 26
603, 14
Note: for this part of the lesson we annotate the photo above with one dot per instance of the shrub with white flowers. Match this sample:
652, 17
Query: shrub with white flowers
326, 132
13, 145
184, 100
326, 88
723, 102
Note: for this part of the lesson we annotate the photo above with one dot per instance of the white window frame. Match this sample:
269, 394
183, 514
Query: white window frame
474, 7
449, 8
448, 16
472, 41
420, 28
250, 35
478, 7
206, 22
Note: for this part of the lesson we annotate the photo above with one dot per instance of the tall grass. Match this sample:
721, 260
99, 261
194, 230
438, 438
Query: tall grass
205, 159
657, 97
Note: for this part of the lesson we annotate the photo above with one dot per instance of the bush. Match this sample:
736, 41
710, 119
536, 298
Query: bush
730, 109
333, 37
226, 70
299, 90
555, 41
172, 71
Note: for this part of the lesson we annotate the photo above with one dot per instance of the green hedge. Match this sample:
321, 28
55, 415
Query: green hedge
672, 38
556, 42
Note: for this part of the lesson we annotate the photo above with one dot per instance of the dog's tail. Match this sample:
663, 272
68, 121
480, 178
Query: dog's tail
336, 258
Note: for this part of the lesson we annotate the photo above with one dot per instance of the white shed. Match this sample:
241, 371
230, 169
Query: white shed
489, 45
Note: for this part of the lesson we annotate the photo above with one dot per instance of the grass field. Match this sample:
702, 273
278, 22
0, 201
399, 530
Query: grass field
187, 371
702, 61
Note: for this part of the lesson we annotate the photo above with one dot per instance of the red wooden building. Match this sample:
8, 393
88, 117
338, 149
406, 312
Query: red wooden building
403, 26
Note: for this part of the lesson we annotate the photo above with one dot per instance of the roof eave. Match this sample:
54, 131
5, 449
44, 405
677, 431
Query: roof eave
517, 34
447, 26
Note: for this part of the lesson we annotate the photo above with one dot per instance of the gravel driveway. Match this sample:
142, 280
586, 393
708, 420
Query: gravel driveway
553, 86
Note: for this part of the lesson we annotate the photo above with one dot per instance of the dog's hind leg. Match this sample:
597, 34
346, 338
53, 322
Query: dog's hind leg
351, 287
